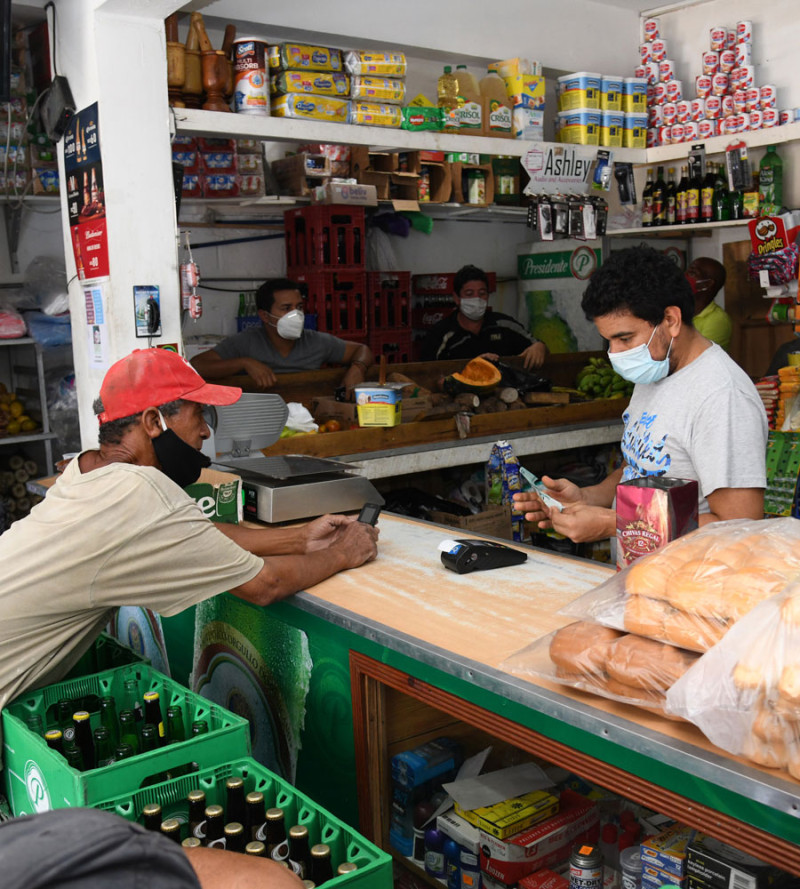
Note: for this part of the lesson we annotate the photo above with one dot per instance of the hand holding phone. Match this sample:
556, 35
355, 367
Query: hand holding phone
369, 513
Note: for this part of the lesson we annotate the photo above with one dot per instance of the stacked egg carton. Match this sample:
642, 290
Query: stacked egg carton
727, 100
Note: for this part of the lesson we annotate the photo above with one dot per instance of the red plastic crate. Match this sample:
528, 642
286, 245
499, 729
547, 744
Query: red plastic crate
441, 283
424, 316
324, 237
388, 299
339, 301
396, 345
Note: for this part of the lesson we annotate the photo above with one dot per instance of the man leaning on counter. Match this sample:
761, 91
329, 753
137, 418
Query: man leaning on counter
282, 344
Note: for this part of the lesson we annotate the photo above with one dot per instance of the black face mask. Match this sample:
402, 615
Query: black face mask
179, 460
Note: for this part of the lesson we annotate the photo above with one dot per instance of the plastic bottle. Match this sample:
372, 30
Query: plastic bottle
434, 853
496, 107
630, 861
470, 104
770, 183
447, 90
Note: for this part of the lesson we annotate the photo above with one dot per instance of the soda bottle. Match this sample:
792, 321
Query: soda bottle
447, 91
770, 183
647, 201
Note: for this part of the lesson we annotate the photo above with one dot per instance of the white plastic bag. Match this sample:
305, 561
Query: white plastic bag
300, 419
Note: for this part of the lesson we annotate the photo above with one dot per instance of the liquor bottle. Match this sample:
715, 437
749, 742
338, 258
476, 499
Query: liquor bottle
256, 817
751, 199
151, 816
299, 851
647, 201
197, 810
55, 740
171, 828
234, 836
83, 737
175, 730
671, 199
127, 730
722, 210
64, 710
321, 865
660, 198
191, 843
242, 313
235, 809
108, 718
152, 714
693, 199
215, 827
680, 196
103, 747
707, 195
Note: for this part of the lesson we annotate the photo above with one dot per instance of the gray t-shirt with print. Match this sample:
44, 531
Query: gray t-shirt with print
705, 422
310, 352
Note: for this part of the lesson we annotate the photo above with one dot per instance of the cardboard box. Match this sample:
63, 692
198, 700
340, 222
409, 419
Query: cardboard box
441, 182
460, 195
526, 90
667, 850
495, 521
460, 830
292, 173
330, 409
345, 193
379, 405
712, 864
510, 816
655, 876
547, 844
544, 879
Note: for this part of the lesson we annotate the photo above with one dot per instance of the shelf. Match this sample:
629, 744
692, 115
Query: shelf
716, 145
23, 439
194, 122
676, 231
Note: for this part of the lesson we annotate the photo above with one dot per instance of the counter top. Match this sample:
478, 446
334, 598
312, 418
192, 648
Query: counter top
467, 625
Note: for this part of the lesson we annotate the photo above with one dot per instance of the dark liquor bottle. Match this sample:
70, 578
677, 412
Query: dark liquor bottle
693, 199
707, 195
321, 865
235, 809
680, 196
647, 201
151, 816
660, 199
671, 199
722, 210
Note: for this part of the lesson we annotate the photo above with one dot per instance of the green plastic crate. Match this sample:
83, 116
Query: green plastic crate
107, 653
38, 779
374, 865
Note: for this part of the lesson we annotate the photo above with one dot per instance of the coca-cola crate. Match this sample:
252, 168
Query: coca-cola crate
388, 299
394, 344
427, 315
338, 299
323, 237
442, 283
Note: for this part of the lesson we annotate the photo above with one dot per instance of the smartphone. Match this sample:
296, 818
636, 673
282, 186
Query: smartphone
369, 513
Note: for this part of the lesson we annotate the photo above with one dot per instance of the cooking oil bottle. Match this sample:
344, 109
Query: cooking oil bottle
447, 90
470, 111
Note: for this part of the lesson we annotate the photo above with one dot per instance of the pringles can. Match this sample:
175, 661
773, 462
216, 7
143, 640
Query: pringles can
250, 76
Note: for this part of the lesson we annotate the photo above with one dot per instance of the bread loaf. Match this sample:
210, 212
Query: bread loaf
647, 664
582, 647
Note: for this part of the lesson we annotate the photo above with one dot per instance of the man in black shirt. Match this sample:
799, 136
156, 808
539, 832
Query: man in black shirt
474, 329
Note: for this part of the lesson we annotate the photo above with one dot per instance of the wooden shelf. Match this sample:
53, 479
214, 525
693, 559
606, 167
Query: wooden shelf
717, 144
692, 229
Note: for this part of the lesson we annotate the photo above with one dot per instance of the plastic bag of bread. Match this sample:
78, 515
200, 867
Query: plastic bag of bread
604, 661
744, 694
694, 589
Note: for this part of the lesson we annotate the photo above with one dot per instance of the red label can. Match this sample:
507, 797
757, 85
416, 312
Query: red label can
719, 38
710, 62
727, 61
703, 86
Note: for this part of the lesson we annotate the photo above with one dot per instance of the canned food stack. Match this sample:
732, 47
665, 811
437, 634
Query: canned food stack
219, 168
727, 98
601, 109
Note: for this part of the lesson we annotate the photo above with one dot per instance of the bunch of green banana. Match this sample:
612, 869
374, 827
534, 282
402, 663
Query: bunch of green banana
599, 380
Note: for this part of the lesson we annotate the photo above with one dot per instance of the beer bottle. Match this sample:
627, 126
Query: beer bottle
276, 834
108, 718
309, 884
149, 738
346, 867
672, 204
647, 201
234, 836
123, 751
35, 724
130, 699
235, 809
215, 827
707, 195
103, 747
175, 729
256, 815
152, 714
299, 852
55, 740
197, 809
321, 865
64, 710
191, 843
127, 730
83, 737
151, 816
200, 727
256, 848
659, 198
680, 196
171, 828
73, 755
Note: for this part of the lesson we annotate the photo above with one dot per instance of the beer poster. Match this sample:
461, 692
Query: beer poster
83, 168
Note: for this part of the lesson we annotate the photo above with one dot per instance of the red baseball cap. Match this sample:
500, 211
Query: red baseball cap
150, 377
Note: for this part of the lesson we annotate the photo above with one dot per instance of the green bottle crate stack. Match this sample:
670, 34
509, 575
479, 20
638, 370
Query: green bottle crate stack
38, 778
107, 653
374, 865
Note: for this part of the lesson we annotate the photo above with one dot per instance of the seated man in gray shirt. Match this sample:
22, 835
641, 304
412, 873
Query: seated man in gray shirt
281, 344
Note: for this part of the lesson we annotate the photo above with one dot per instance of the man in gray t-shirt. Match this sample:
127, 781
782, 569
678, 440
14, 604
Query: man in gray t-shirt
281, 344
694, 413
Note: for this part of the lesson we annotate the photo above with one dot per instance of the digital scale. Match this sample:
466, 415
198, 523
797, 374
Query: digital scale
296, 486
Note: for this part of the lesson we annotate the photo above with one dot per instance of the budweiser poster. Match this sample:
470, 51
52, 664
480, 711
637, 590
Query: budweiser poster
83, 169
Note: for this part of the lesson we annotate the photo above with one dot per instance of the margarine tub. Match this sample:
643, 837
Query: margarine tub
579, 90
320, 83
611, 93
580, 126
612, 128
635, 133
379, 405
311, 107
634, 94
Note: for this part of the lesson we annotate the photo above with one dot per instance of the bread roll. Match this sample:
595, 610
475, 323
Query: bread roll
773, 756
648, 577
635, 695
696, 587
735, 555
647, 664
582, 647
645, 616
789, 684
793, 760
744, 589
692, 631
771, 727
790, 607
748, 677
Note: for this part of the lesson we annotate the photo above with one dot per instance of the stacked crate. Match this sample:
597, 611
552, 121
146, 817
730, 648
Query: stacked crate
325, 251
39, 778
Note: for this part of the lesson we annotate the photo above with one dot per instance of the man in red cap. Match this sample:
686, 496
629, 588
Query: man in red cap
117, 529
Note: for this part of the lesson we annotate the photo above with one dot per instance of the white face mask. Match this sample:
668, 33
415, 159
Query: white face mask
637, 365
290, 326
473, 308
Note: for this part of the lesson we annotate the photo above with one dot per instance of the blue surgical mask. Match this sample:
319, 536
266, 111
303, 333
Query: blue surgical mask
637, 365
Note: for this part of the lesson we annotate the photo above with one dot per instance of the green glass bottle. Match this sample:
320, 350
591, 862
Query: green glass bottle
149, 738
131, 700
770, 183
175, 728
199, 727
35, 724
103, 747
123, 751
108, 718
722, 212
73, 755
127, 730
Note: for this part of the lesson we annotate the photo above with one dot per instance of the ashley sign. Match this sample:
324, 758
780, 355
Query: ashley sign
559, 168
